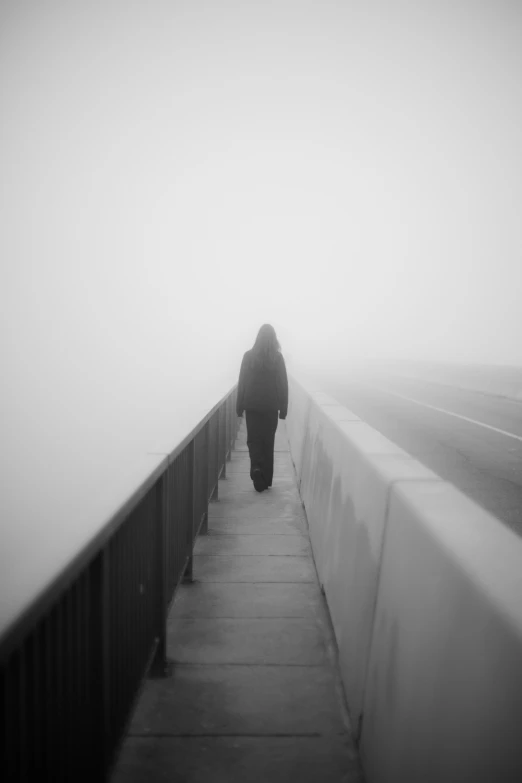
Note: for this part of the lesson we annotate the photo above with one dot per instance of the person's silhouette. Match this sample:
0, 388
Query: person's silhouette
262, 393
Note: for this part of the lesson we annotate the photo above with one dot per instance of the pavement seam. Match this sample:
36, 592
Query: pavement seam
254, 665
245, 582
250, 554
189, 735
212, 531
288, 535
267, 735
309, 617
244, 617
226, 517
228, 520
285, 518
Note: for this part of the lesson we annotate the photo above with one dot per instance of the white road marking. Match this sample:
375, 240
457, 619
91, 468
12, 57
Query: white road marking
449, 413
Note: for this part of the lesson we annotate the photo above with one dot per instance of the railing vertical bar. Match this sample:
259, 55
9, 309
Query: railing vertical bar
109, 675
58, 666
69, 677
81, 647
22, 712
72, 662
9, 717
124, 565
49, 727
34, 681
98, 598
162, 512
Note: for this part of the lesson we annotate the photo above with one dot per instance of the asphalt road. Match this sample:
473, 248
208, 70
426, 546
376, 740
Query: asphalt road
470, 439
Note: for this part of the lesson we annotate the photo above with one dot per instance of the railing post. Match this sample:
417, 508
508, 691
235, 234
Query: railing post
235, 421
215, 446
223, 439
230, 414
203, 530
159, 664
191, 521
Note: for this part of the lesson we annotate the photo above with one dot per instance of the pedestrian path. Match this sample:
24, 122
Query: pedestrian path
253, 694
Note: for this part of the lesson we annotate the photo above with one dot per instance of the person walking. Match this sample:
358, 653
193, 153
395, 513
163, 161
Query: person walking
262, 393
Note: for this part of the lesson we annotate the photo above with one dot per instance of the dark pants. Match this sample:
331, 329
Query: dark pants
261, 430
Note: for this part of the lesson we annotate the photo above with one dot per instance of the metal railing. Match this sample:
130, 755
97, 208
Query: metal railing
71, 666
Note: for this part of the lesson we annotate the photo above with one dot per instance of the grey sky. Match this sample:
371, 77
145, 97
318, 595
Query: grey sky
174, 174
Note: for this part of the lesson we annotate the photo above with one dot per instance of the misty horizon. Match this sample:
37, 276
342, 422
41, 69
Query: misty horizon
175, 174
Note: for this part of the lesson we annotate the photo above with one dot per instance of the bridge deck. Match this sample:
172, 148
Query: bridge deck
254, 693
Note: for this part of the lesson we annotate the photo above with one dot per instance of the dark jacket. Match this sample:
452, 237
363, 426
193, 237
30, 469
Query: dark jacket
262, 388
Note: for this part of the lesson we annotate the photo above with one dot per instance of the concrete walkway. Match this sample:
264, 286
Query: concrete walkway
254, 694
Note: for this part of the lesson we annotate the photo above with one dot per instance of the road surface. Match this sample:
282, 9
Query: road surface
471, 439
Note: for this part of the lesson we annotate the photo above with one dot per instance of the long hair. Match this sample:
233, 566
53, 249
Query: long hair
266, 347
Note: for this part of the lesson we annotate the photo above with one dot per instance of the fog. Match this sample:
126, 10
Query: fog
175, 174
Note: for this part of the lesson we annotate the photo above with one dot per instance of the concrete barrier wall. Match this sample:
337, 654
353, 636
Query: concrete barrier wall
425, 593
345, 471
443, 700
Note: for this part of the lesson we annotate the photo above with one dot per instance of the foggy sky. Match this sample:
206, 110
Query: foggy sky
174, 174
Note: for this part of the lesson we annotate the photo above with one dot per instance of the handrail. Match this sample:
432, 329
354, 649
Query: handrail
102, 619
